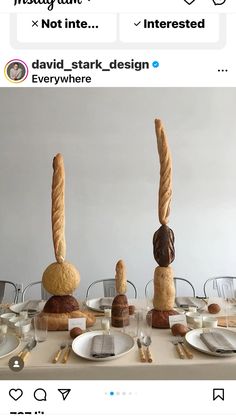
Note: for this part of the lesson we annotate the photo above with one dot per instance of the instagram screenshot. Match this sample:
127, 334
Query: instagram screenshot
118, 208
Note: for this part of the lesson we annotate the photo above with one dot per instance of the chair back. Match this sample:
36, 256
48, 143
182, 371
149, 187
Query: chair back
223, 286
108, 289
44, 295
180, 284
13, 291
185, 286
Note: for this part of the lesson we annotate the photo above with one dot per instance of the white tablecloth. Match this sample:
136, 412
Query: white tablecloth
166, 364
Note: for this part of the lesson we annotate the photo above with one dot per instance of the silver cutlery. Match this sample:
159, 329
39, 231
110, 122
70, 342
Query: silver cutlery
146, 340
66, 353
141, 351
31, 345
58, 353
187, 351
179, 349
23, 350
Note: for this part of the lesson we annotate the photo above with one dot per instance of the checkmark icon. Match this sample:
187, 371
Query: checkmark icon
138, 23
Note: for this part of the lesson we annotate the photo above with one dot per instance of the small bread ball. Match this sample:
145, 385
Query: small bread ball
131, 310
214, 308
76, 331
179, 329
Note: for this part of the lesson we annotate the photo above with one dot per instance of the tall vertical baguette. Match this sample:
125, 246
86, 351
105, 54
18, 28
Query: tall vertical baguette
58, 208
165, 188
120, 277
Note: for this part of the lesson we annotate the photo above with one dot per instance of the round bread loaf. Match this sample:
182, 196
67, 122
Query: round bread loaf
160, 319
61, 304
61, 278
120, 311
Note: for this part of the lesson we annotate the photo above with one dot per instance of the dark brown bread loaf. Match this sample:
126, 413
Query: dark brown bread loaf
61, 304
160, 319
120, 311
163, 246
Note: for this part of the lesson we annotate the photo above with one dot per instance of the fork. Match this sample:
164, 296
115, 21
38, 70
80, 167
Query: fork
185, 348
179, 348
58, 353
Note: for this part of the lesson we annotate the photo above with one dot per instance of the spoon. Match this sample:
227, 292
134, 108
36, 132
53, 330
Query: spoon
147, 342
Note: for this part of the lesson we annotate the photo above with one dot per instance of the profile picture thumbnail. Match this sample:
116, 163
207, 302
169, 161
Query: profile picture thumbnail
16, 71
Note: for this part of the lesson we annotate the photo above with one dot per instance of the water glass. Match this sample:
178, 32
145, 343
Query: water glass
105, 324
132, 328
144, 323
24, 315
23, 328
40, 328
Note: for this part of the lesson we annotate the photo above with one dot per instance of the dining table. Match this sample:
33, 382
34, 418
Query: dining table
166, 363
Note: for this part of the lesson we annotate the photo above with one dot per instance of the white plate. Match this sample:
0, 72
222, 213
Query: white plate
198, 302
17, 308
94, 304
82, 345
193, 338
11, 344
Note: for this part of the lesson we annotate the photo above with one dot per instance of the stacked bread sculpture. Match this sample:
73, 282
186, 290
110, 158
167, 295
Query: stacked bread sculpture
163, 240
61, 278
120, 306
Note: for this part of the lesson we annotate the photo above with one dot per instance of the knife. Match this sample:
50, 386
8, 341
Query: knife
66, 354
25, 353
141, 352
22, 350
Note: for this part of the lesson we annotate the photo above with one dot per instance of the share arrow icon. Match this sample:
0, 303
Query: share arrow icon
64, 392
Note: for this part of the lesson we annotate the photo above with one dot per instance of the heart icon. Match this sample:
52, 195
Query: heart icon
189, 1
16, 393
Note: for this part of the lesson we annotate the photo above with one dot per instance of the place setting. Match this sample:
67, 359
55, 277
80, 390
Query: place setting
116, 337
207, 331
16, 331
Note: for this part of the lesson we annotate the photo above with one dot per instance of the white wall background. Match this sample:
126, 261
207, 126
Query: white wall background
108, 142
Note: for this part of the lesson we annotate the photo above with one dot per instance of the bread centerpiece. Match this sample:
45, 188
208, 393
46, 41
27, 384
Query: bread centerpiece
120, 306
61, 278
163, 239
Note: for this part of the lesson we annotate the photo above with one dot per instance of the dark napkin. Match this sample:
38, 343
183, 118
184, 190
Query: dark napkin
186, 302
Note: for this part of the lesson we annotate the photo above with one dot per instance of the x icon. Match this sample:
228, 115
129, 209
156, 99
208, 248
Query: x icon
35, 23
